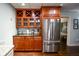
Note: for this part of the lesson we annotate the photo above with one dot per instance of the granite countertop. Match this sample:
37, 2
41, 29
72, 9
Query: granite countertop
28, 35
5, 49
23, 35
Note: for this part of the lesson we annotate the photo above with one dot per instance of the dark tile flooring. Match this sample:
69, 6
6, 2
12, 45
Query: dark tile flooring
64, 51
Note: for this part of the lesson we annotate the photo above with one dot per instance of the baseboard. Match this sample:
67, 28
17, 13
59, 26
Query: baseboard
72, 44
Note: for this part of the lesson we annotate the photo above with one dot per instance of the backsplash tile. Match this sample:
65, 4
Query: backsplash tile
27, 31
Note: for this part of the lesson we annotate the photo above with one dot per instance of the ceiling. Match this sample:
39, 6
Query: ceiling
65, 6
34, 5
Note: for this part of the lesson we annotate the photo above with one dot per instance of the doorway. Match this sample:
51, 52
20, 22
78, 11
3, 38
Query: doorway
64, 30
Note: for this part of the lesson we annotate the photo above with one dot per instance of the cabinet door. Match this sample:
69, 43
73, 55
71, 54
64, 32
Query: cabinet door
18, 43
31, 22
51, 11
45, 12
37, 44
54, 12
19, 22
29, 44
25, 22
37, 22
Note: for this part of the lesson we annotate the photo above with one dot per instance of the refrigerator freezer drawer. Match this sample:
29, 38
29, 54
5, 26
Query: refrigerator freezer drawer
51, 47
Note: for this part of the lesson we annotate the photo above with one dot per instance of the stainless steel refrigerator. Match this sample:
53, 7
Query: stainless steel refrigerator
51, 35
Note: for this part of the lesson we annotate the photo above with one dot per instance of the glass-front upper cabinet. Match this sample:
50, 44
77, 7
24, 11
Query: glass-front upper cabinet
38, 22
31, 21
19, 22
25, 22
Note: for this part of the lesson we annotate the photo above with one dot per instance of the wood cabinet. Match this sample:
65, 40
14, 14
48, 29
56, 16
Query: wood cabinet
38, 44
27, 18
19, 23
32, 18
51, 11
18, 43
27, 43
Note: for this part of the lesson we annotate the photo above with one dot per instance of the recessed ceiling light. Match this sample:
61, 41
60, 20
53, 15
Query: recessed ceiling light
23, 4
61, 4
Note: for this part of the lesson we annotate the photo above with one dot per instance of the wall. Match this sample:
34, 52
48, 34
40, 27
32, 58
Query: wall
73, 35
7, 24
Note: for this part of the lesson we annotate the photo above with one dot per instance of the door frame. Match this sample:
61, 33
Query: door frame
68, 28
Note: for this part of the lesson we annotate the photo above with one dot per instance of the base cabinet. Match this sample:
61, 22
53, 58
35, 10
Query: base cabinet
24, 43
18, 43
29, 43
38, 44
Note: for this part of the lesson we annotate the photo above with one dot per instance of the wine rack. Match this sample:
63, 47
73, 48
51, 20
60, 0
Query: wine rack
37, 13
28, 13
19, 13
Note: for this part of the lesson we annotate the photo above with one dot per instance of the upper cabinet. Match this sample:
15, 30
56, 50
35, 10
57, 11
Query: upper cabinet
51, 11
27, 18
